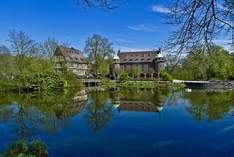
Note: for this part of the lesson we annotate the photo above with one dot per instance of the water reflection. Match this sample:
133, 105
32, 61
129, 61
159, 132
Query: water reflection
99, 111
210, 105
51, 111
85, 112
144, 100
27, 114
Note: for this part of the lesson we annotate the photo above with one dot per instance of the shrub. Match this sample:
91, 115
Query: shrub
21, 149
165, 76
38, 149
16, 149
47, 80
124, 76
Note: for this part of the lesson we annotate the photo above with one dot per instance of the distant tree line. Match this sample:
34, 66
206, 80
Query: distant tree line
216, 63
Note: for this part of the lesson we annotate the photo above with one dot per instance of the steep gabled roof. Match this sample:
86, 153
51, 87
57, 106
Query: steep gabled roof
70, 54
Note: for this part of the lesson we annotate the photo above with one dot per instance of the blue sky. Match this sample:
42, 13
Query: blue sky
132, 26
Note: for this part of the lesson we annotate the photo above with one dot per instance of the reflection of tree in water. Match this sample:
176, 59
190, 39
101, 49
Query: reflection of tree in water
211, 105
99, 111
31, 113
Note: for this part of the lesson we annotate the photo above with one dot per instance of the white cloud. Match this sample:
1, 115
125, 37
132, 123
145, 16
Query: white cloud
160, 9
143, 28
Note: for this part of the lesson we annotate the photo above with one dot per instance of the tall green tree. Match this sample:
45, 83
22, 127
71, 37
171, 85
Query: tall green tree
100, 53
220, 64
136, 71
216, 63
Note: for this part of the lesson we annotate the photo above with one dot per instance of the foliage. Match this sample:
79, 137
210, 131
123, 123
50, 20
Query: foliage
136, 71
100, 53
21, 149
220, 64
72, 81
124, 76
102, 68
37, 75
216, 63
17, 148
38, 149
45, 80
165, 76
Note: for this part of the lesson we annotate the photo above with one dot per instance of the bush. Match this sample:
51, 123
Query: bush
124, 76
47, 80
21, 149
165, 76
17, 149
38, 149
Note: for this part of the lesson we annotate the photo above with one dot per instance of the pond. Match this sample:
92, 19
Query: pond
122, 122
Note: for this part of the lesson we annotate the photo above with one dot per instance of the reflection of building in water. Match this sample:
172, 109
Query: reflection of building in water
123, 104
75, 107
145, 106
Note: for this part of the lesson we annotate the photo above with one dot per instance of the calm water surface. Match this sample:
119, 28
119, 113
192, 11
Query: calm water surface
122, 122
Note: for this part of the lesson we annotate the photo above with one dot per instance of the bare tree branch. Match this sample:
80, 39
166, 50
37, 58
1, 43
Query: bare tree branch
198, 22
103, 4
